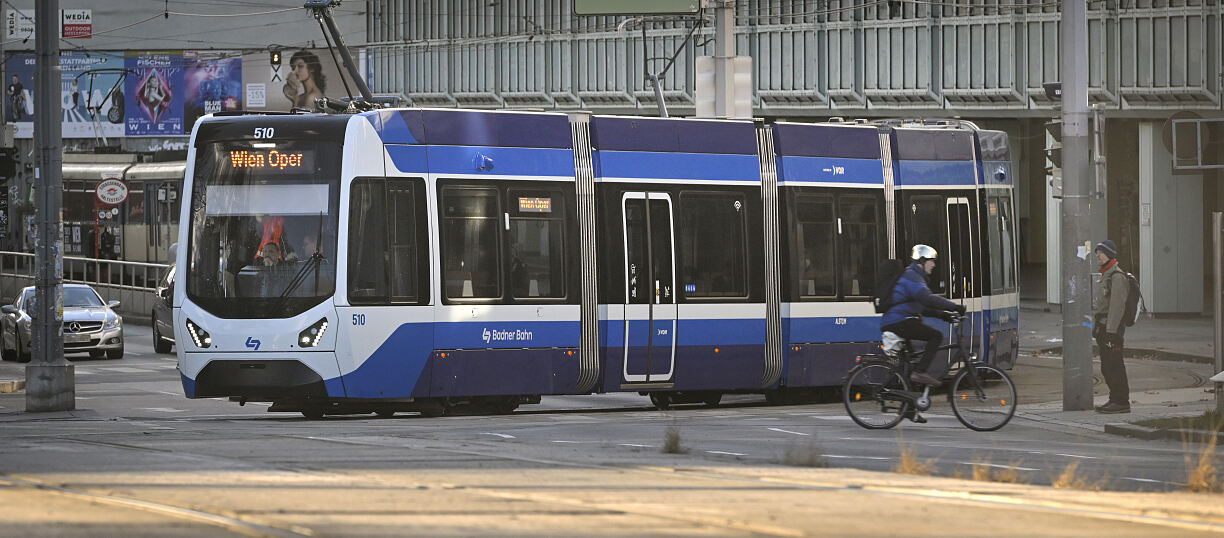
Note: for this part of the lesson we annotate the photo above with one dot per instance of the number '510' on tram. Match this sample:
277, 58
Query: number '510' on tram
419, 260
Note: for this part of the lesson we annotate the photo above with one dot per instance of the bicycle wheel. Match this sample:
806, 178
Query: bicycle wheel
865, 398
984, 398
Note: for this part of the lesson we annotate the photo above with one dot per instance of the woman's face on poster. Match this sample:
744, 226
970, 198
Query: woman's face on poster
301, 70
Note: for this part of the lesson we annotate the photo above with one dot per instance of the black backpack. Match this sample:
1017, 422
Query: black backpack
1134, 301
887, 275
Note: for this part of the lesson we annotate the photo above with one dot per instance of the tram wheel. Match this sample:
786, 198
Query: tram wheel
432, 409
385, 413
712, 400
313, 414
661, 400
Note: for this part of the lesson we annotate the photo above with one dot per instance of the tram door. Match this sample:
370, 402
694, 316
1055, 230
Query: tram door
650, 295
961, 265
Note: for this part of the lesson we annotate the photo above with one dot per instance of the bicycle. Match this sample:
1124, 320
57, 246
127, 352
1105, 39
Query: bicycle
877, 390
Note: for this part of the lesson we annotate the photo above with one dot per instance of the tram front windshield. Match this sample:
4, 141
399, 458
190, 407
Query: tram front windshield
262, 242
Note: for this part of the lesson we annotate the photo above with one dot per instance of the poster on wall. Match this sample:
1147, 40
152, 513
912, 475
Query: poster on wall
301, 76
154, 93
91, 94
212, 83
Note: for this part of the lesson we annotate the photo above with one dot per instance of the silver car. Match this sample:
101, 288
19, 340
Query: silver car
90, 325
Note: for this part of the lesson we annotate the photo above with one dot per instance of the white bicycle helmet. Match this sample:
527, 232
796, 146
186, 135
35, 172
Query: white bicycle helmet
923, 252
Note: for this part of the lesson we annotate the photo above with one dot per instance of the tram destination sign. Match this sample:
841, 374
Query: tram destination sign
270, 161
534, 204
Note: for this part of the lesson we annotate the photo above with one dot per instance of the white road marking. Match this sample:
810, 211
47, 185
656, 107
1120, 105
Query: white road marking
161, 409
125, 370
636, 446
1077, 456
571, 442
998, 465
502, 435
788, 431
726, 453
1148, 480
838, 456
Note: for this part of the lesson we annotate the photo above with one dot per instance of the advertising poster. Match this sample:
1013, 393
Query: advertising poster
302, 76
212, 83
154, 94
19, 93
91, 94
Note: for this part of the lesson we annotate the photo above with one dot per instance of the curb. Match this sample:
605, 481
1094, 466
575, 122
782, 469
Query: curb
1141, 354
1173, 434
11, 386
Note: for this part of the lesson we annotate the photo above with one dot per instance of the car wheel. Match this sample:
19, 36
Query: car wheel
160, 345
23, 354
115, 354
5, 352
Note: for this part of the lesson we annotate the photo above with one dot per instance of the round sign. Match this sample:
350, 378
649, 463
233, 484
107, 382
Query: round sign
112, 191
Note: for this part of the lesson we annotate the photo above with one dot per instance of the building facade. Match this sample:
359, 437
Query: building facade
1150, 62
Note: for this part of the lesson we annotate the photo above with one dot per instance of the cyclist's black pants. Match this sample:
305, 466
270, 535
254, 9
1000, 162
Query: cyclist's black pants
915, 329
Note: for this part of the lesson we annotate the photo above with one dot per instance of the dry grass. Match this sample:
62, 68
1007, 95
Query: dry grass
1202, 470
671, 440
984, 471
808, 455
910, 463
1070, 478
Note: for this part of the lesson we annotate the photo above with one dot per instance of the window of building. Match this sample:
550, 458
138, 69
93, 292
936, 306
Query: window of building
713, 253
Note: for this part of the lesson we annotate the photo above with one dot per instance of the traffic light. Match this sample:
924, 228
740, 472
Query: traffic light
275, 58
1053, 153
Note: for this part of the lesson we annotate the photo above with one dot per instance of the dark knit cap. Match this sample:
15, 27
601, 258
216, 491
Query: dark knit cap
1108, 248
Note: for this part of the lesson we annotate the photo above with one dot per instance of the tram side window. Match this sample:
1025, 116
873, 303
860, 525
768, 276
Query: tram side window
470, 241
815, 230
537, 244
928, 225
859, 244
367, 266
712, 249
383, 242
993, 228
402, 243
1007, 232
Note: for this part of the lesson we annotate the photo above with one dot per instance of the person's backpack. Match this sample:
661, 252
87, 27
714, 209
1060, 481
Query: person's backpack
887, 275
1134, 301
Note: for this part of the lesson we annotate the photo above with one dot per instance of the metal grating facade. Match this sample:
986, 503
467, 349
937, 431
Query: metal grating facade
810, 57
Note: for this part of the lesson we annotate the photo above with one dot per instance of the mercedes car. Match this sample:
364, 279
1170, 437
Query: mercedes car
91, 325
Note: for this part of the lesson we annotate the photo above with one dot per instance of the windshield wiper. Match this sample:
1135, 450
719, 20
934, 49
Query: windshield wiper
315, 259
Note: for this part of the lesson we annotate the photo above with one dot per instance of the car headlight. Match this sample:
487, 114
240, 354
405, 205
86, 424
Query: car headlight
113, 323
198, 336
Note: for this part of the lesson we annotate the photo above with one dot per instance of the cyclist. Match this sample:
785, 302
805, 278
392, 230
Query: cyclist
911, 300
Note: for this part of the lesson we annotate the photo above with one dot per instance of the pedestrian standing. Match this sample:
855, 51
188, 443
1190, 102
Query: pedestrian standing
1108, 328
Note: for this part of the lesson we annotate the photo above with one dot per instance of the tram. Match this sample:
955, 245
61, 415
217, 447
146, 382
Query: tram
419, 260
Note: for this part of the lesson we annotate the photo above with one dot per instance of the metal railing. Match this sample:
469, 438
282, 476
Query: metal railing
133, 284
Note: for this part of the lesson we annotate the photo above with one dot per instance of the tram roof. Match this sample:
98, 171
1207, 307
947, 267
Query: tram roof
673, 135
826, 140
995, 146
439, 127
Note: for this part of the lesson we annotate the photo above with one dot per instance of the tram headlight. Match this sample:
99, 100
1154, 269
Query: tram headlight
199, 336
311, 335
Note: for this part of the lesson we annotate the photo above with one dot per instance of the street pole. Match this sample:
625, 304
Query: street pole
724, 53
49, 378
1077, 248
1217, 279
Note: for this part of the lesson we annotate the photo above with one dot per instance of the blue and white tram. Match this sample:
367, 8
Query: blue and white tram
420, 259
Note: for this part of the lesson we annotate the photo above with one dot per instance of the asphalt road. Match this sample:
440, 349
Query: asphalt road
137, 458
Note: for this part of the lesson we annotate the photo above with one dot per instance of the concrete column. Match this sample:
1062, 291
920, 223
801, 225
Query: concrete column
1053, 233
1170, 229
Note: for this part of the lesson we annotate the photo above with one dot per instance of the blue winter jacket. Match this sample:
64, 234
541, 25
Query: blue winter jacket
911, 297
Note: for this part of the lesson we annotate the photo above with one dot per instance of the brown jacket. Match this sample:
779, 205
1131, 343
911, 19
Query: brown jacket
1111, 302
